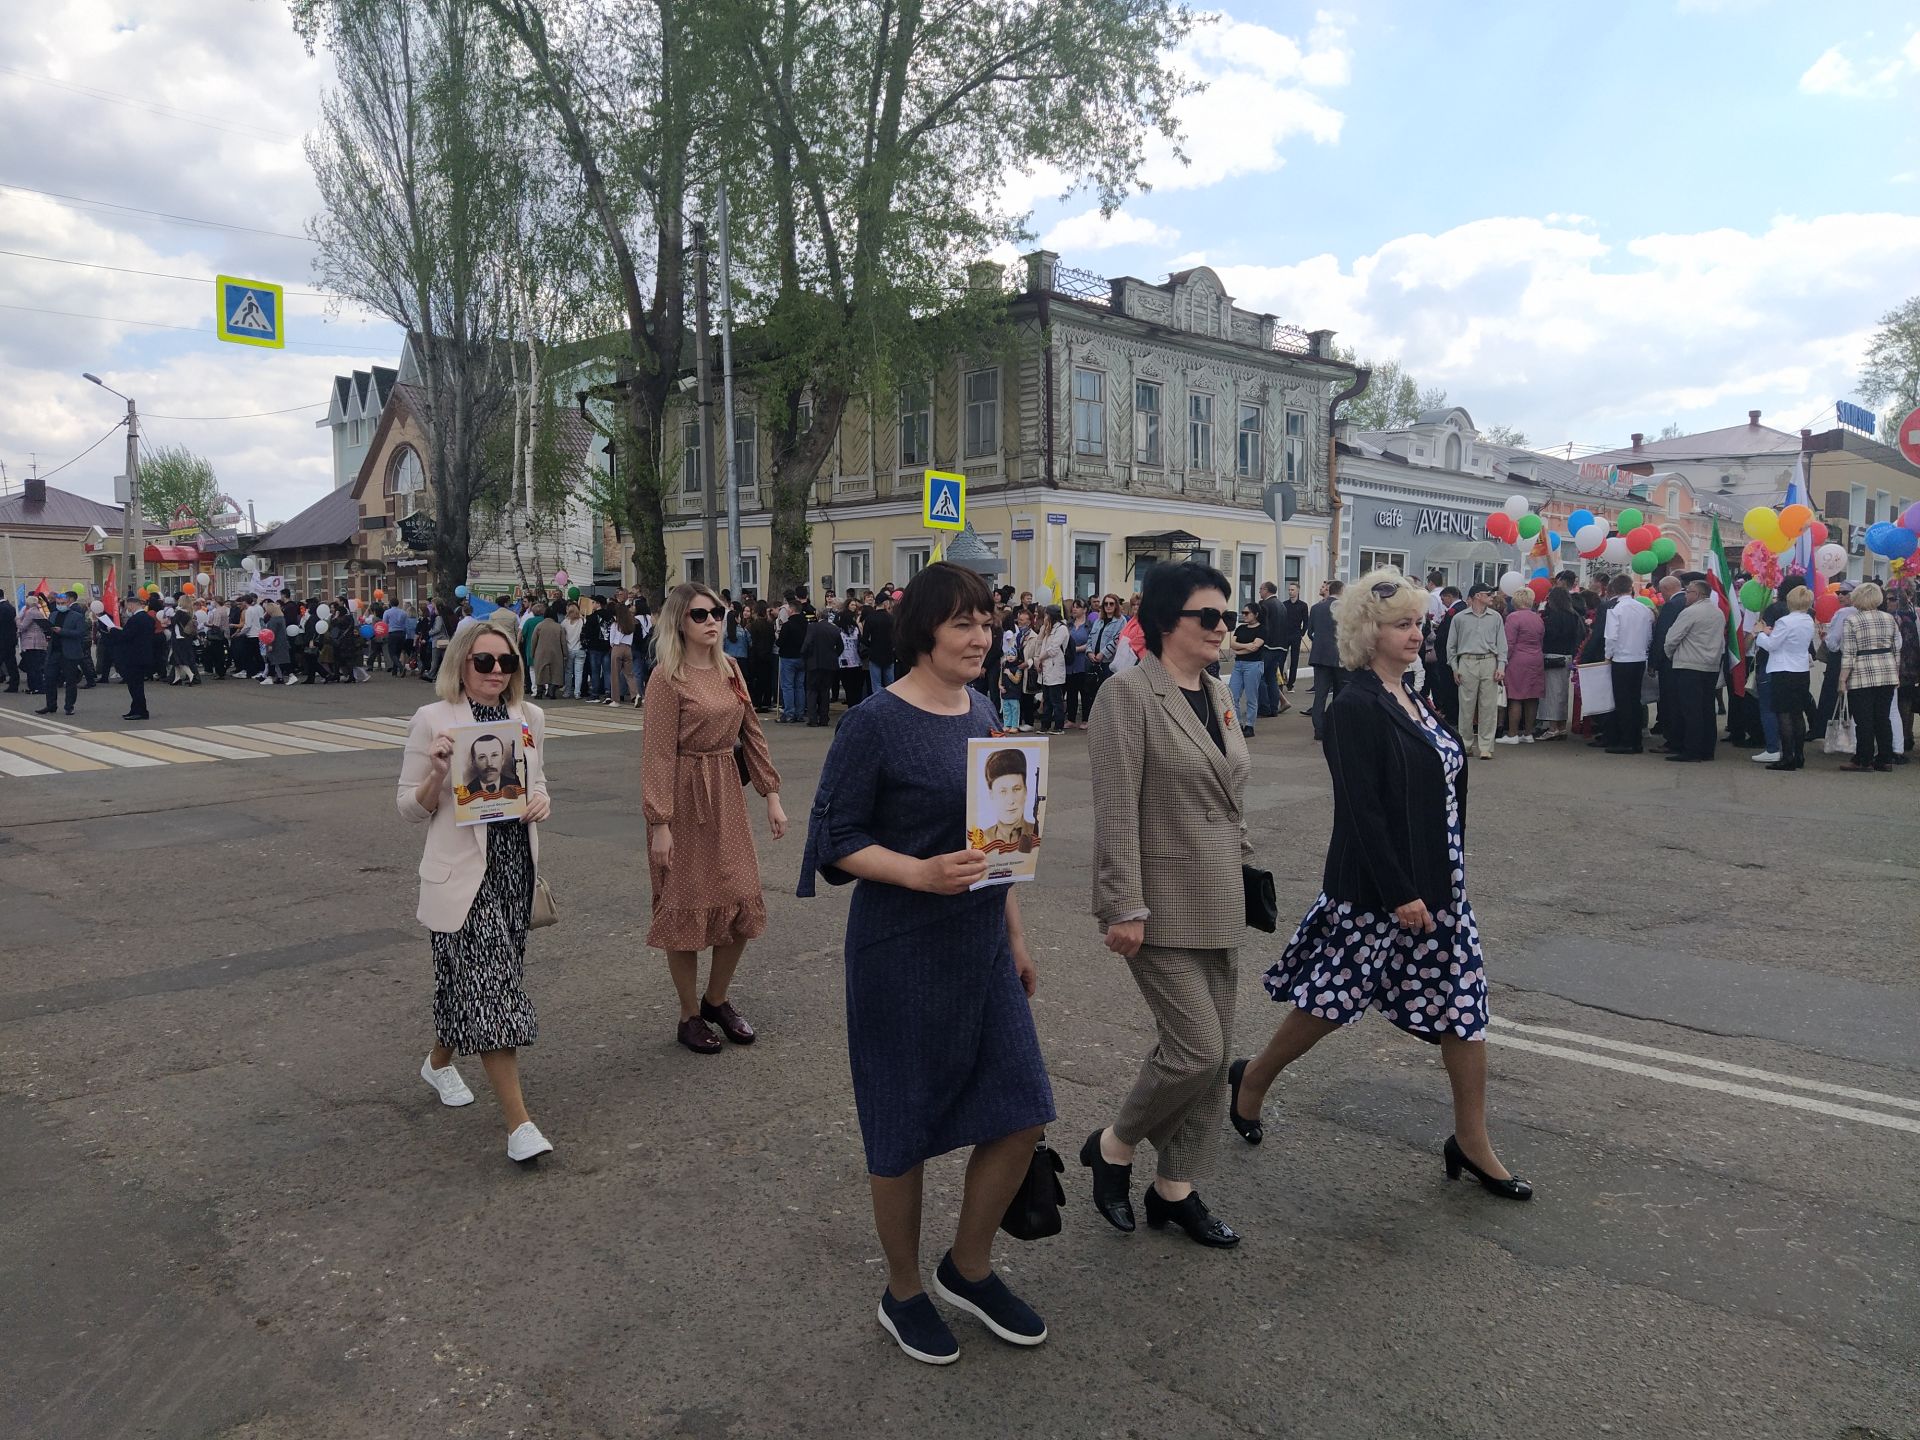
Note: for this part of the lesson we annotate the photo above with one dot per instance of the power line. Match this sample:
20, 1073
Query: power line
152, 274
48, 474
190, 329
157, 214
172, 112
250, 415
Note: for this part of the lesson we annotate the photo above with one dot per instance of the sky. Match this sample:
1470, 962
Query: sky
1579, 221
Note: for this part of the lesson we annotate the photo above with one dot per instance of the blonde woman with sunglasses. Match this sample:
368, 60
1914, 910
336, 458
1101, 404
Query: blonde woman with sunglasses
477, 881
706, 876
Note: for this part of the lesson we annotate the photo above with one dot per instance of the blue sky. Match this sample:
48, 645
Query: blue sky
1579, 220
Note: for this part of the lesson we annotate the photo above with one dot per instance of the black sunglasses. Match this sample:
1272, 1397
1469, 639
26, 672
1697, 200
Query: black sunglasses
484, 663
1385, 590
1209, 618
700, 617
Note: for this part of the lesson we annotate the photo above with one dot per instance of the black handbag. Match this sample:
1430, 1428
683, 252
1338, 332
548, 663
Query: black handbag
1263, 907
1034, 1212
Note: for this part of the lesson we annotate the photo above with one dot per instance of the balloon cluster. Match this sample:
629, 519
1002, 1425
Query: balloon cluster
1514, 521
1896, 541
1778, 529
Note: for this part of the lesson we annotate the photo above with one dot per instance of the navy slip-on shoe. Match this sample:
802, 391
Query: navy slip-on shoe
990, 1302
918, 1329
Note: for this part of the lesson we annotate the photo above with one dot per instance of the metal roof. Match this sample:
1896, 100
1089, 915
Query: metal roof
331, 520
62, 510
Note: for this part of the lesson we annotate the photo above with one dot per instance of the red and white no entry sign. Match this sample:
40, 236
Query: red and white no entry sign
1907, 437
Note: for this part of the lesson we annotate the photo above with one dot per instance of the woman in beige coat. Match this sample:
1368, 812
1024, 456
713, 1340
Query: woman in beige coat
477, 881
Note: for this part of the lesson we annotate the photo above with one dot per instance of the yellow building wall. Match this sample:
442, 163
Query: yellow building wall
29, 556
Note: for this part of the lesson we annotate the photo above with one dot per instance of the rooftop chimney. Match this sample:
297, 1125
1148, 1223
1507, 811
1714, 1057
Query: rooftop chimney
1753, 418
36, 491
1637, 438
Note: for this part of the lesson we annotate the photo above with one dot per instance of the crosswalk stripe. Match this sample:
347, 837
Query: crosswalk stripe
382, 722
145, 745
299, 741
204, 749
11, 764
343, 730
250, 746
42, 753
94, 750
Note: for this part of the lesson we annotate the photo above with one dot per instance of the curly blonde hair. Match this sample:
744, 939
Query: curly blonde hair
1359, 613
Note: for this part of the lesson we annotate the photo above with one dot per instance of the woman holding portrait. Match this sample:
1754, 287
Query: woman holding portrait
940, 1037
1392, 929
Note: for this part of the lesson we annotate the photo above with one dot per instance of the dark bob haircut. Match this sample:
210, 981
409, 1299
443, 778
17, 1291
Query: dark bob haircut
1167, 591
936, 595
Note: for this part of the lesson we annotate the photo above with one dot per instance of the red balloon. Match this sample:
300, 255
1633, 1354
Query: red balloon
1826, 607
266, 638
1540, 588
1641, 537
1819, 533
380, 630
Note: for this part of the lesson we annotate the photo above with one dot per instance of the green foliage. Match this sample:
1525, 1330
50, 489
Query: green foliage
1890, 374
173, 477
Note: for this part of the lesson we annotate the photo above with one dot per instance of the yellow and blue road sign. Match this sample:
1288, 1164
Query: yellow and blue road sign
249, 312
943, 504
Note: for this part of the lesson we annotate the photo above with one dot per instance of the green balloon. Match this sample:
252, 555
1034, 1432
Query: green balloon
1644, 563
1529, 526
1630, 519
1756, 594
1665, 548
573, 592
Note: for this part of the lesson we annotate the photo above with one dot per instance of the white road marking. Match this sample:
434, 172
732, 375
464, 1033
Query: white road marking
1702, 1082
352, 732
301, 741
197, 745
31, 720
1720, 1067
93, 750
19, 765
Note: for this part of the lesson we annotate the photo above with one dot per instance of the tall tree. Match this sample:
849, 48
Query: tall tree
174, 479
418, 160
1890, 375
887, 128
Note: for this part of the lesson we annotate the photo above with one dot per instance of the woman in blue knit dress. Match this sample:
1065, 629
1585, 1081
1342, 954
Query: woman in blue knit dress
940, 1037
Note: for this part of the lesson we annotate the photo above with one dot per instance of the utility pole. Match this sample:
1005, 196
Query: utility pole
734, 478
710, 534
133, 529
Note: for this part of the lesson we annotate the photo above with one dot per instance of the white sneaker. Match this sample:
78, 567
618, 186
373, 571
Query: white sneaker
1526, 739
1765, 757
266, 679
526, 1142
446, 1082
1507, 740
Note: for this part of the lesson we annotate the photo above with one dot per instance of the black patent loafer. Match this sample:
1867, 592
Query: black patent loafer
1250, 1131
1112, 1185
1192, 1216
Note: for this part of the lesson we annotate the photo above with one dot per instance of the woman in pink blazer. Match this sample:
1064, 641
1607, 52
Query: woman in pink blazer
477, 881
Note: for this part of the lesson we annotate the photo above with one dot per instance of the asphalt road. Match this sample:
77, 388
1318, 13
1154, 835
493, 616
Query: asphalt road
232, 1209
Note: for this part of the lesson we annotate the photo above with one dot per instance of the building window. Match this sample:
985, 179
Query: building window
1374, 559
1290, 569
693, 569
1296, 439
339, 577
1250, 461
916, 425
853, 569
981, 389
1087, 555
910, 560
1452, 461
803, 413
1249, 576
692, 480
404, 475
1146, 422
1200, 432
749, 572
746, 451
1089, 412
1487, 572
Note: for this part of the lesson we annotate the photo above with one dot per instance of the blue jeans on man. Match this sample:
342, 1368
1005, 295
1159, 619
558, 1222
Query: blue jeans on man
1249, 677
1270, 660
599, 673
793, 688
880, 676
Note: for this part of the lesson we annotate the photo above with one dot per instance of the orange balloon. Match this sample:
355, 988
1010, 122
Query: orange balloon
379, 594
187, 588
1794, 519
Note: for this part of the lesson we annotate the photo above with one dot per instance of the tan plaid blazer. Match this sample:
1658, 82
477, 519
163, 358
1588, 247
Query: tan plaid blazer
1169, 831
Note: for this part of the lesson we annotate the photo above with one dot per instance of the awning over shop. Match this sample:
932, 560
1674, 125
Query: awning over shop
1146, 551
1470, 552
172, 555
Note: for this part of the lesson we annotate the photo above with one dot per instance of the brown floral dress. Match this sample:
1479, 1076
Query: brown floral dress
711, 895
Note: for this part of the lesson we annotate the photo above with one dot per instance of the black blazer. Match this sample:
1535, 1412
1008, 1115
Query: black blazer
1389, 841
1323, 646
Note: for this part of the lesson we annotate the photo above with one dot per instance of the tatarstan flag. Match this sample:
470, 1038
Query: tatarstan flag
1718, 575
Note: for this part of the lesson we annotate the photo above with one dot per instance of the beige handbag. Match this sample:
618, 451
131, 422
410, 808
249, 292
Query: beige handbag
544, 912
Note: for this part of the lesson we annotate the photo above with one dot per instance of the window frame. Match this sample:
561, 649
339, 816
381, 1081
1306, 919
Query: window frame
1197, 429
747, 473
1295, 441
915, 423
1149, 448
1099, 547
1089, 413
844, 580
1255, 466
980, 418
693, 475
1249, 584
1369, 559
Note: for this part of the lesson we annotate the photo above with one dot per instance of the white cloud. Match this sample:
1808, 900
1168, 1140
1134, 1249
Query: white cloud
1836, 73
1572, 336
1089, 230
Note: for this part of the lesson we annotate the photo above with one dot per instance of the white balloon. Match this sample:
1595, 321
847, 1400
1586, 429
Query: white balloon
323, 612
1830, 559
1512, 582
97, 608
320, 627
204, 578
1616, 552
1590, 537
1516, 506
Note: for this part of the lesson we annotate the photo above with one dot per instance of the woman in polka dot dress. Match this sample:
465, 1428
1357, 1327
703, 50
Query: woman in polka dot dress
1392, 929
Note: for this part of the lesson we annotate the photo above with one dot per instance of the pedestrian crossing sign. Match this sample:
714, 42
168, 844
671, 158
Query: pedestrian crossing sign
249, 312
943, 504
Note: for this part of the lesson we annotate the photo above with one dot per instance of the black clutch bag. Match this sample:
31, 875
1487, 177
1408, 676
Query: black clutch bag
1263, 908
1034, 1212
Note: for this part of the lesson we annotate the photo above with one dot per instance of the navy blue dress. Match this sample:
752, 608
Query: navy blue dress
940, 1036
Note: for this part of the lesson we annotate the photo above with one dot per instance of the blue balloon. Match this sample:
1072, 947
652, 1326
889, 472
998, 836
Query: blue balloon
1540, 574
1899, 543
1579, 520
460, 592
1880, 538
366, 632
1555, 539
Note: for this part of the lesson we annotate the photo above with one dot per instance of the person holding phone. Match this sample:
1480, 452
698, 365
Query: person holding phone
1391, 929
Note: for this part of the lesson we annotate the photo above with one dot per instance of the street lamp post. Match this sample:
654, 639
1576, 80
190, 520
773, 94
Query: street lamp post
132, 529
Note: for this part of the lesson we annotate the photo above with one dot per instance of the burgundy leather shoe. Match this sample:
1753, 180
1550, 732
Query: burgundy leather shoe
731, 1022
695, 1034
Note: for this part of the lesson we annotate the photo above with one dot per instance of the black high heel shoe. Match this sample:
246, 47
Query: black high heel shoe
1250, 1130
1112, 1185
1512, 1188
1192, 1216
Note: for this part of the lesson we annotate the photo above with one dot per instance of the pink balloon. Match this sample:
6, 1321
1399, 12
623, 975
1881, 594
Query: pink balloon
1910, 518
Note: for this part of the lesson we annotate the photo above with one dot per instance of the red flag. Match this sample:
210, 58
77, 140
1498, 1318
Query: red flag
42, 588
110, 597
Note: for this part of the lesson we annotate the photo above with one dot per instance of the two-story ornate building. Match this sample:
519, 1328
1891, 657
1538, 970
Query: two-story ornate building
1131, 422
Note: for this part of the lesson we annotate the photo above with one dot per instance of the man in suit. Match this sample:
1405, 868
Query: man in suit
1445, 686
1323, 654
9, 641
1273, 621
66, 632
136, 646
876, 639
821, 651
1294, 630
1672, 601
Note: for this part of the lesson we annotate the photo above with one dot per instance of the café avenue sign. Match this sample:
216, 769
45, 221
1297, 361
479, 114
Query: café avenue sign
1435, 522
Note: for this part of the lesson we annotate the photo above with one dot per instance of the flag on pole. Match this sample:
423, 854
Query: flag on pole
1718, 576
1052, 582
111, 598
1799, 555
42, 588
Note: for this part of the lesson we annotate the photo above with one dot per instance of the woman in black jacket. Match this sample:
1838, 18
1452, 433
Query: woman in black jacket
1392, 929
